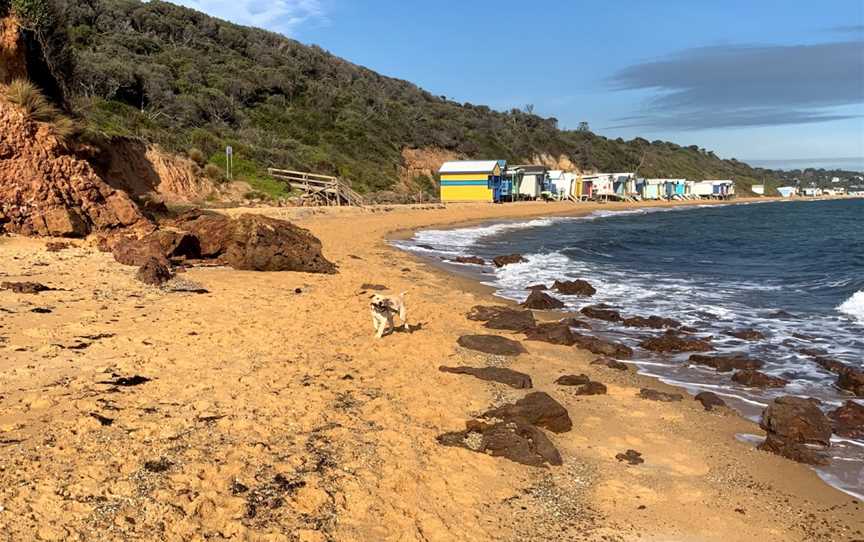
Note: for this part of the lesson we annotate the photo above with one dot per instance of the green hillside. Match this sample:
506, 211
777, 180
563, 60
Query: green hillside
188, 81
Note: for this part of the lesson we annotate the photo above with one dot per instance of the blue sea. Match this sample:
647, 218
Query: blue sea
792, 270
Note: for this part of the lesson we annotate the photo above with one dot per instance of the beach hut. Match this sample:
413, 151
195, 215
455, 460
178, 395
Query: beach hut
560, 184
758, 189
703, 189
811, 192
787, 191
722, 189
529, 181
475, 180
583, 188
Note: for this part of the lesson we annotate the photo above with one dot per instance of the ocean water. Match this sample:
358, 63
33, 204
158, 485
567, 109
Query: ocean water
792, 270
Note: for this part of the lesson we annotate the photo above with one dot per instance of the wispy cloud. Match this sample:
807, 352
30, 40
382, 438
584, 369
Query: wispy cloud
727, 86
280, 15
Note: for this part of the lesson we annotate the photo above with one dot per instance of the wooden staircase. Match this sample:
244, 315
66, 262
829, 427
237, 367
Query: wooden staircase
317, 189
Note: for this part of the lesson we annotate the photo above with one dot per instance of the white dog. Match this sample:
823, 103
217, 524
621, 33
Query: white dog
384, 308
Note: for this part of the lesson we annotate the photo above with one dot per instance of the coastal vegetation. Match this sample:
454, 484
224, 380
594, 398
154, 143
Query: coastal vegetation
187, 81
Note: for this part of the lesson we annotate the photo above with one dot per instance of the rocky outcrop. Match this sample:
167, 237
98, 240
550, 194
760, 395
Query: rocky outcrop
154, 272
576, 322
756, 379
499, 317
509, 377
611, 364
552, 332
162, 245
537, 408
710, 400
515, 440
848, 420
852, 380
601, 312
25, 287
674, 342
725, 364
255, 243
652, 322
747, 334
797, 429
542, 301
599, 346
45, 190
578, 287
573, 380
501, 261
491, 344
472, 260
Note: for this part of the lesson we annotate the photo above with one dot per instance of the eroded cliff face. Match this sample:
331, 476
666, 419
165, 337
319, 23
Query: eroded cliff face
145, 170
425, 162
13, 63
45, 190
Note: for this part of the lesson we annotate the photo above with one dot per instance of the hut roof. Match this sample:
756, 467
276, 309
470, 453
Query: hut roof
470, 166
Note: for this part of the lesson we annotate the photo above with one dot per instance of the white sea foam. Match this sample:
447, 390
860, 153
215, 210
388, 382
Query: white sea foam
854, 307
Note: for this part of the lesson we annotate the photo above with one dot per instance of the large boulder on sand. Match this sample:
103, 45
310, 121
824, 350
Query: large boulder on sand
161, 245
538, 300
551, 332
255, 242
795, 425
491, 344
154, 272
602, 347
502, 375
499, 317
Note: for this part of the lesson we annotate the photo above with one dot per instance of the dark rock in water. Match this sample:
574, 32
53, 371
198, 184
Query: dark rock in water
473, 260
794, 425
756, 379
812, 352
831, 365
575, 287
492, 344
655, 395
553, 333
848, 420
631, 456
591, 388
25, 287
747, 334
725, 364
602, 347
154, 272
611, 363
501, 261
852, 380
710, 400
653, 322
572, 380
499, 317
542, 301
782, 315
600, 313
514, 440
673, 342
537, 408
514, 379
576, 322
373, 287
427, 247
541, 287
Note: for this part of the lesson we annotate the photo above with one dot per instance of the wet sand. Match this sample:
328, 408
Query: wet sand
275, 415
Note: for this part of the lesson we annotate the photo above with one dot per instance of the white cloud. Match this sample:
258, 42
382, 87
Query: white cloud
280, 15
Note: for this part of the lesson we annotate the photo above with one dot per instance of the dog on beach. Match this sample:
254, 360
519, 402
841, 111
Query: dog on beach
384, 308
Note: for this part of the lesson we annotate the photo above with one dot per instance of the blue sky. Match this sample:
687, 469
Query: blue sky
776, 80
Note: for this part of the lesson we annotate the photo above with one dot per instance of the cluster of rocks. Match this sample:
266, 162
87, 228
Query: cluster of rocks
250, 242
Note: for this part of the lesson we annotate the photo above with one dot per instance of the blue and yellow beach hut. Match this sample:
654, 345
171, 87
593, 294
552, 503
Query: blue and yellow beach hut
473, 180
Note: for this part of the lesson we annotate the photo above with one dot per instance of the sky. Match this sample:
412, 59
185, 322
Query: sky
773, 82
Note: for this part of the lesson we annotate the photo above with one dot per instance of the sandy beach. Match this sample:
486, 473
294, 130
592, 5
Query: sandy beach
271, 413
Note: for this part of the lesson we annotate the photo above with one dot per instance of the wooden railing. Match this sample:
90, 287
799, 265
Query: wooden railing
319, 189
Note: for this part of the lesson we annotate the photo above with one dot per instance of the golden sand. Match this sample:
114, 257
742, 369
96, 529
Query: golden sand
275, 415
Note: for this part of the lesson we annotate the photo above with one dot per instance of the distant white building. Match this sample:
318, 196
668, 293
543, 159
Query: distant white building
835, 180
787, 191
811, 192
758, 189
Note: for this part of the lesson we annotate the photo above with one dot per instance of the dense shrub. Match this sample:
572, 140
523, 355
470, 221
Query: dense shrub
183, 79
